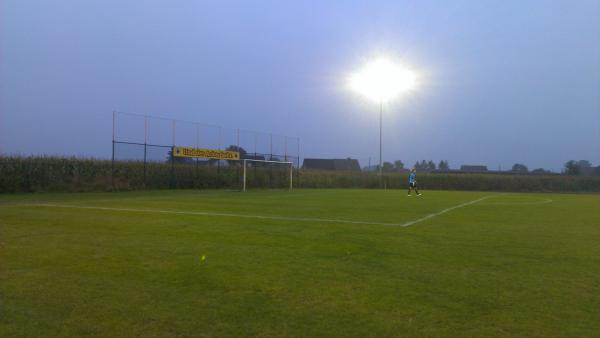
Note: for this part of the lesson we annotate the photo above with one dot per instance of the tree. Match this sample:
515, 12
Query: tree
425, 165
519, 168
430, 165
443, 165
240, 150
572, 168
584, 164
388, 167
398, 165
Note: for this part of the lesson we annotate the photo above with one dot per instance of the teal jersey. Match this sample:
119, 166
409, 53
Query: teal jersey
412, 178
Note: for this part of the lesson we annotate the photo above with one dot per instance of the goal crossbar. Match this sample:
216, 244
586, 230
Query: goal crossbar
245, 161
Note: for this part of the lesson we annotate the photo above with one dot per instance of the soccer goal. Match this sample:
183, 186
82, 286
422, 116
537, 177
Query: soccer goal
264, 173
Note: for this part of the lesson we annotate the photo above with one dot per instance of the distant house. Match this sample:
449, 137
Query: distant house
473, 168
376, 169
540, 171
347, 164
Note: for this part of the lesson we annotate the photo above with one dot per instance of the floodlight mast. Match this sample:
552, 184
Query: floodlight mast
380, 142
382, 80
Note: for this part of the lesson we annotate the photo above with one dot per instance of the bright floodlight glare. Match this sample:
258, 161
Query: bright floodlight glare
382, 80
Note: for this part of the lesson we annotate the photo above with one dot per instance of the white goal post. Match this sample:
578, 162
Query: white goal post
290, 164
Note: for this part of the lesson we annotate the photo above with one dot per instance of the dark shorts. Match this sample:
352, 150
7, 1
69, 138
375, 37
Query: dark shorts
412, 184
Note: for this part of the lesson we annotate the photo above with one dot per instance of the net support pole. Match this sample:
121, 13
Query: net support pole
270, 147
219, 143
285, 148
238, 149
197, 146
112, 164
172, 181
145, 147
291, 175
244, 177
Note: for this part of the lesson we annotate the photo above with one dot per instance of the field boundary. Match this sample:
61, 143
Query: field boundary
281, 218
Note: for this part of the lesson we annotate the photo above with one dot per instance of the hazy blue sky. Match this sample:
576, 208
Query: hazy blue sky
502, 81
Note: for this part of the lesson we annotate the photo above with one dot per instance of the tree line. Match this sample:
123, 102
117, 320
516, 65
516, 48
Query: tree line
571, 167
423, 165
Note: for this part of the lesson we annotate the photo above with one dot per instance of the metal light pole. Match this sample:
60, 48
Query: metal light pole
381, 80
380, 143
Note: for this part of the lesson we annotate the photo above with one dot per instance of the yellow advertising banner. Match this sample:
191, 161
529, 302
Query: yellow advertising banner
205, 153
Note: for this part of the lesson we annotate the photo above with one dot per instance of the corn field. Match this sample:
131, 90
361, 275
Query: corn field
474, 182
45, 173
71, 174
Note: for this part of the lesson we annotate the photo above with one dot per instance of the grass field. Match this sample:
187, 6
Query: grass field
302, 263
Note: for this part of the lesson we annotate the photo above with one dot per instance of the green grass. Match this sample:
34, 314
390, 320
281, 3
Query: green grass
511, 265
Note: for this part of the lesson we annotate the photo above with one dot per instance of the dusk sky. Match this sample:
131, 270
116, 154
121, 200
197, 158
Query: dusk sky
500, 82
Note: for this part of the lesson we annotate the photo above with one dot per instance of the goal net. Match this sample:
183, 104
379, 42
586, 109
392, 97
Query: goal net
267, 174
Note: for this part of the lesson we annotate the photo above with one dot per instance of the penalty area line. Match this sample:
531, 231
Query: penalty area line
280, 218
445, 211
205, 213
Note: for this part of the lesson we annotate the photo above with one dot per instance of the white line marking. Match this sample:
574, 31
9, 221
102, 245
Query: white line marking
203, 213
281, 218
445, 211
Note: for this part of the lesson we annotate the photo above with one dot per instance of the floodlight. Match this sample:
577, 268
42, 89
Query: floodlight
382, 80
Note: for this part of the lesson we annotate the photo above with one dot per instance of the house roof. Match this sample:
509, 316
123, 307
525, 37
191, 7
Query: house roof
467, 167
347, 164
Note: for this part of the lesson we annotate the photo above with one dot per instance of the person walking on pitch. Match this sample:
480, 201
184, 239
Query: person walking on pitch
412, 182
